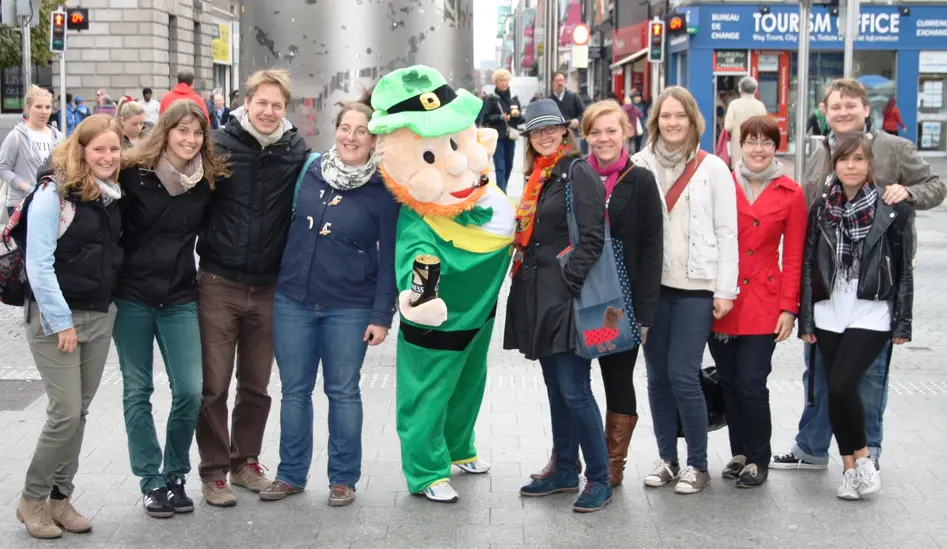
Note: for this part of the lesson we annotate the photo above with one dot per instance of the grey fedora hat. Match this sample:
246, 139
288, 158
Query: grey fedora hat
542, 113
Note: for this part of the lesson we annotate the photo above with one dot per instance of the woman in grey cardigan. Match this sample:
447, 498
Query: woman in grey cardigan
27, 146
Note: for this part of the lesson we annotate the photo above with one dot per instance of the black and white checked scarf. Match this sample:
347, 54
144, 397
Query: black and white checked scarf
852, 220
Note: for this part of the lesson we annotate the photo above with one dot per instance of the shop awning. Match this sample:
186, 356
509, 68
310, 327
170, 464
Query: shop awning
630, 59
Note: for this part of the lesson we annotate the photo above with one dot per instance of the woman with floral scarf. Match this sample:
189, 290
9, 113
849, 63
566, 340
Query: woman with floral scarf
857, 294
167, 181
539, 315
335, 296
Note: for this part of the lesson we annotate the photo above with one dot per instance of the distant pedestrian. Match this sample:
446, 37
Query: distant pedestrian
892, 118
132, 117
501, 111
152, 106
220, 113
739, 111
184, 90
27, 147
70, 239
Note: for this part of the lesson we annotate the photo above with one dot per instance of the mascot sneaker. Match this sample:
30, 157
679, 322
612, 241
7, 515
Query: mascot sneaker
476, 467
442, 492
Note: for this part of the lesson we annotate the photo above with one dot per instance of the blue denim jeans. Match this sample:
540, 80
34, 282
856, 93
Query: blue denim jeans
503, 161
576, 418
815, 432
673, 355
304, 335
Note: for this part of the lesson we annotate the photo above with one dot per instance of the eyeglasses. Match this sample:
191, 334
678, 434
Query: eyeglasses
345, 129
546, 130
765, 145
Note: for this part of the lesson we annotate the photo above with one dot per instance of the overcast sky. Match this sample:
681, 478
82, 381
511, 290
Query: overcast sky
485, 29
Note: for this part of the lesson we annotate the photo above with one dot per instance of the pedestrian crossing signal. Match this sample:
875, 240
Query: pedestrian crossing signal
77, 19
656, 43
57, 33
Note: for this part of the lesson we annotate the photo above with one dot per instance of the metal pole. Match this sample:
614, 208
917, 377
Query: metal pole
62, 94
27, 58
802, 88
851, 32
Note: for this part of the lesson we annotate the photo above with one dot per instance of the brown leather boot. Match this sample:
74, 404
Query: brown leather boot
550, 467
618, 430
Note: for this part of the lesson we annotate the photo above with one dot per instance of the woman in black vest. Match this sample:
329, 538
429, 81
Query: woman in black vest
167, 181
71, 229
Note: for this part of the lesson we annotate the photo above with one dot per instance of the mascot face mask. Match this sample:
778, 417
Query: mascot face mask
433, 159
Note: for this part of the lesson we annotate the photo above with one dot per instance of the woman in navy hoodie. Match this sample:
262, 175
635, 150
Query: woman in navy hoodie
335, 296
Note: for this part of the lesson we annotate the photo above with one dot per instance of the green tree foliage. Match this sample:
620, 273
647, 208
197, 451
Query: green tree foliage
11, 45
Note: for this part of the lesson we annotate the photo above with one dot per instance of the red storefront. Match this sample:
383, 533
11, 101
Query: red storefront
629, 64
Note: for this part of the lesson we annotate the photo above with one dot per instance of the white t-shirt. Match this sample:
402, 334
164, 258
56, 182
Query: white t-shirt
42, 142
151, 110
844, 310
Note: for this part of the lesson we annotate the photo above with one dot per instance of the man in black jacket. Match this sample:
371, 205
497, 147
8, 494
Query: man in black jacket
570, 104
241, 247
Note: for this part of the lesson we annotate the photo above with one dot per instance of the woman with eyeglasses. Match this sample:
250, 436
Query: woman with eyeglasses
335, 296
771, 208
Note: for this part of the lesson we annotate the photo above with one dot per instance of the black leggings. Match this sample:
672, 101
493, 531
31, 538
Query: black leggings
617, 372
847, 356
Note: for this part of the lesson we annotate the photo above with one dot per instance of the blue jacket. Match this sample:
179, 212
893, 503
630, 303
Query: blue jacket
341, 247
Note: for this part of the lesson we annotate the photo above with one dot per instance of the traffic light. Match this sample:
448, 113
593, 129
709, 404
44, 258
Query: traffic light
77, 19
656, 42
57, 32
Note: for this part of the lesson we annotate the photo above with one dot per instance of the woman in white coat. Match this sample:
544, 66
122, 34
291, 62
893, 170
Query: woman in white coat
698, 281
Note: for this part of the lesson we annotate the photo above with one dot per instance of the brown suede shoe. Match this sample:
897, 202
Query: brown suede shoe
618, 431
218, 493
341, 495
67, 517
278, 490
34, 514
550, 467
250, 475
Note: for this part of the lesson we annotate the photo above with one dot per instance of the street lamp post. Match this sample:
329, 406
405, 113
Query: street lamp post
802, 88
851, 32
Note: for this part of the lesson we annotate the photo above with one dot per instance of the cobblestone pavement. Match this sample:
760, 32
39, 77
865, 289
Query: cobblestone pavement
793, 509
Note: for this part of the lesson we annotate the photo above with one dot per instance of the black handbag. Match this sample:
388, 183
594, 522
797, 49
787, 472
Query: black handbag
713, 394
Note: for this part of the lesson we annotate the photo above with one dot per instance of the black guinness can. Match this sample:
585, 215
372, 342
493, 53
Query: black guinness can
425, 281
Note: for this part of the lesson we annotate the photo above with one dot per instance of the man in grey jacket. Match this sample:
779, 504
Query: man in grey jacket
901, 174
27, 147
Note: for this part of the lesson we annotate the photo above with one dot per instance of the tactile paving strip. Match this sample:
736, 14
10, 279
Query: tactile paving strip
17, 394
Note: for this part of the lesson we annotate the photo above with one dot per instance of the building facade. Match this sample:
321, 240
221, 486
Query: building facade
133, 44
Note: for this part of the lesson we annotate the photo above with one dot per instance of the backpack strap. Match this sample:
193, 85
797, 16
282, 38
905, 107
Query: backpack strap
302, 175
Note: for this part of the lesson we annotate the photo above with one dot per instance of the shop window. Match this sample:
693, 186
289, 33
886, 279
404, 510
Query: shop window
874, 69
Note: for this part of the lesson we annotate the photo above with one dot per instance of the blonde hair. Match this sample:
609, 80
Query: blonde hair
697, 123
529, 157
34, 93
278, 77
501, 73
127, 109
601, 108
147, 154
71, 172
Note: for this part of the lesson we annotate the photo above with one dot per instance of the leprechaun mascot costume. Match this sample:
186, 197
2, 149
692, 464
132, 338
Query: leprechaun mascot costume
436, 163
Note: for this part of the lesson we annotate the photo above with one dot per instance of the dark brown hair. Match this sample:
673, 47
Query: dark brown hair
363, 105
760, 126
847, 146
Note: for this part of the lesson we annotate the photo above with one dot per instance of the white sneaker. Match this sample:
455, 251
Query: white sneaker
848, 488
477, 467
869, 478
442, 492
663, 473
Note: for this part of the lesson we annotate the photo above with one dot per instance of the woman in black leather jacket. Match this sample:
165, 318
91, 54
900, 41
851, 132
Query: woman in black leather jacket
502, 113
857, 293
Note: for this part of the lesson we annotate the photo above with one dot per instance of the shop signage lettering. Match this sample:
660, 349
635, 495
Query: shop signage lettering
931, 28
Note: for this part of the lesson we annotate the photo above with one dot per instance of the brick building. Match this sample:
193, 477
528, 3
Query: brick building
132, 44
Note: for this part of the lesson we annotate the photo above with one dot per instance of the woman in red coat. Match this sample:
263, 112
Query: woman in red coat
770, 207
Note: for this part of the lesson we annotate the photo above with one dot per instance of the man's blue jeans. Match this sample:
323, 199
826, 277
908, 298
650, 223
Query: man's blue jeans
304, 335
576, 417
815, 432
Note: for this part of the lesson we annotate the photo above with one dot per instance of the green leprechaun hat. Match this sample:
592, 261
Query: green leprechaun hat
418, 98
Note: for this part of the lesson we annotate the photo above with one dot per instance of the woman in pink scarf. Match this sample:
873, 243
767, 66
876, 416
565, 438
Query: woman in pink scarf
634, 209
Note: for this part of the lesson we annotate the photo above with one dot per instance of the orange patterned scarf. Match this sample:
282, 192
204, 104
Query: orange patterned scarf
526, 211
